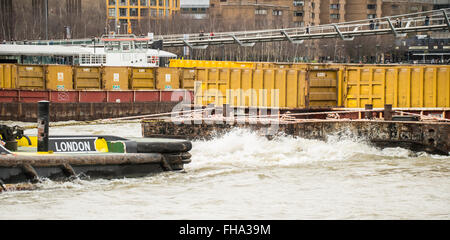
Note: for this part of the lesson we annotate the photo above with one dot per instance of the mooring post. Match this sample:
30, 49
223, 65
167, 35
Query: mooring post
387, 112
368, 114
211, 109
218, 110
43, 122
226, 110
253, 115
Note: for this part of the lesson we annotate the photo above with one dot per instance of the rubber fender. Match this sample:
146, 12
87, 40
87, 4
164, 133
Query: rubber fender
164, 147
176, 161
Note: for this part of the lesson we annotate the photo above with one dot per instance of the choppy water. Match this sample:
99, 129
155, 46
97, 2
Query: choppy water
245, 176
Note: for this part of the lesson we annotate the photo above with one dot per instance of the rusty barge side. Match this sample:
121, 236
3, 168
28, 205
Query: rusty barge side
432, 137
20, 111
20, 105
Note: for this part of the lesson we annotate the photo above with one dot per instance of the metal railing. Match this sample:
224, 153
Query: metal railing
436, 20
399, 25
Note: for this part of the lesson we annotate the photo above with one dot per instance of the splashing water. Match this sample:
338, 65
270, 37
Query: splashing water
242, 175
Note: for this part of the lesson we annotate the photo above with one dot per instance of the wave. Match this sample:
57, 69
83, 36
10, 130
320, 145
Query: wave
245, 148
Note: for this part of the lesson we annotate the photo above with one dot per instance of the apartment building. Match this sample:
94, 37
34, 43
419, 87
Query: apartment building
260, 13
249, 14
397, 7
335, 11
272, 13
131, 11
305, 12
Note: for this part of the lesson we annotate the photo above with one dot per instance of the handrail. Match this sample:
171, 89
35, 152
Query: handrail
411, 22
436, 13
415, 22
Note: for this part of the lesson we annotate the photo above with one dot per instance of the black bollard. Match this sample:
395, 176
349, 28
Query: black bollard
368, 115
43, 121
212, 109
387, 112
226, 110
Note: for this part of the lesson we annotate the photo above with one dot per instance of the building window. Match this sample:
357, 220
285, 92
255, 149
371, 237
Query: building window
133, 12
313, 15
334, 16
334, 6
122, 12
144, 12
298, 14
161, 3
161, 12
133, 2
371, 6
167, 3
370, 16
112, 12
153, 12
144, 3
112, 2
277, 12
313, 5
123, 2
152, 2
299, 3
299, 24
134, 23
260, 11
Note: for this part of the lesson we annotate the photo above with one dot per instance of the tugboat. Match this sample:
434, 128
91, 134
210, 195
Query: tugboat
87, 156
26, 159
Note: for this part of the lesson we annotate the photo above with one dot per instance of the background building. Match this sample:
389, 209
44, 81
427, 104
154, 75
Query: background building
195, 9
271, 13
334, 11
125, 12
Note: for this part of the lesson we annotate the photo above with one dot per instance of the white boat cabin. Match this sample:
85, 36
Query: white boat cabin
124, 50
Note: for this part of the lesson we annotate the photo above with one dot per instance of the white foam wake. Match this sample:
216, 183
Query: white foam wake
245, 149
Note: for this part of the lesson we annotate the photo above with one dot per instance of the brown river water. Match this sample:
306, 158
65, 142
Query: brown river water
245, 176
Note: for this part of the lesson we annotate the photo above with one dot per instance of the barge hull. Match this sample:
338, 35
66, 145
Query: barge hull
27, 112
32, 168
14, 175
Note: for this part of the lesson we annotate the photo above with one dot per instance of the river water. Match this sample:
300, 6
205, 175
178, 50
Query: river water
245, 176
